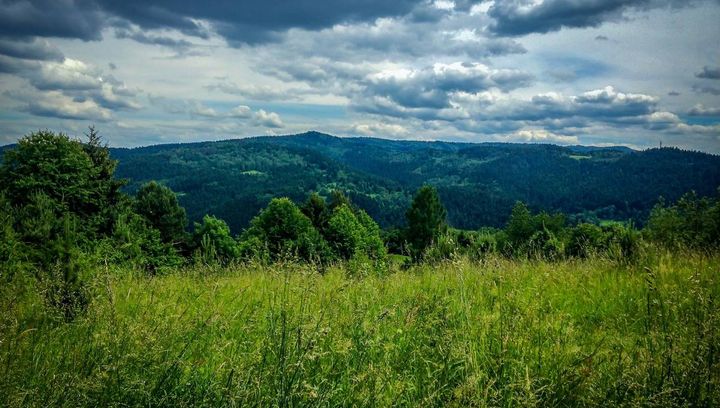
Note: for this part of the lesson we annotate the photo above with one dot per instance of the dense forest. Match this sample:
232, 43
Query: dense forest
478, 183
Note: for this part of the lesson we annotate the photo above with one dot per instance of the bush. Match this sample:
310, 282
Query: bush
137, 243
344, 233
692, 222
624, 242
485, 244
544, 244
284, 232
586, 240
213, 243
349, 233
444, 247
74, 177
533, 235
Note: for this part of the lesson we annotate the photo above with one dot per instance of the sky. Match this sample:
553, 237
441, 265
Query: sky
594, 72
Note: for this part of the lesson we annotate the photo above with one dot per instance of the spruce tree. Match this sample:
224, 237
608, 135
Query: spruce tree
426, 219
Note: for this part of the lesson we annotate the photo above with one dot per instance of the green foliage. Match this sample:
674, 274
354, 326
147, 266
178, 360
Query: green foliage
213, 243
284, 231
444, 247
395, 241
52, 164
373, 244
75, 177
520, 226
338, 199
134, 242
587, 240
624, 242
12, 250
66, 280
477, 183
350, 234
39, 224
426, 220
316, 210
533, 235
692, 222
344, 233
496, 333
537, 235
160, 207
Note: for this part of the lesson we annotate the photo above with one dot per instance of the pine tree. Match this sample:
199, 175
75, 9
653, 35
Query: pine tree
426, 220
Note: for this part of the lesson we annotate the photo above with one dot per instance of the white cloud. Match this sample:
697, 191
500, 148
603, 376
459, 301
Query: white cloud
57, 105
240, 111
541, 136
379, 129
702, 110
268, 119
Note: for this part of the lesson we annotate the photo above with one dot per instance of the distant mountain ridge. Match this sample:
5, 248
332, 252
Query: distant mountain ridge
478, 182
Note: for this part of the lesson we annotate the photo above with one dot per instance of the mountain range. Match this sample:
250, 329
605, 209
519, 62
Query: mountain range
478, 182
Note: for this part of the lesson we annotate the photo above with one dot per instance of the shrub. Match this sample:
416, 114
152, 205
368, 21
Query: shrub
137, 243
213, 243
624, 242
692, 222
344, 233
586, 240
285, 232
444, 247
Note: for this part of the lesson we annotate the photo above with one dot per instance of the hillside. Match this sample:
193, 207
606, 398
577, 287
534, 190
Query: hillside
478, 183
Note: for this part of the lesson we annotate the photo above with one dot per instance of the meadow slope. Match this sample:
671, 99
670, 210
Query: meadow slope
488, 333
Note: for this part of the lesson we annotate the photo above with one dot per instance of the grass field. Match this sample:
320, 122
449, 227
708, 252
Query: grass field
491, 333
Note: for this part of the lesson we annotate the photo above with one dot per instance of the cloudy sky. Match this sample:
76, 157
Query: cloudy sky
599, 72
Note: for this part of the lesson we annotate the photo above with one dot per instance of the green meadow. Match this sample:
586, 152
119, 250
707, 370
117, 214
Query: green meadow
489, 332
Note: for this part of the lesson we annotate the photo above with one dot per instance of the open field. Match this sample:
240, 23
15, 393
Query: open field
493, 333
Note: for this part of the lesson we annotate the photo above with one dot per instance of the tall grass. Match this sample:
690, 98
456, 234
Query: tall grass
462, 333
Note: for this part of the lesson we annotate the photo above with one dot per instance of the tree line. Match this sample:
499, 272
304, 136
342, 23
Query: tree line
62, 211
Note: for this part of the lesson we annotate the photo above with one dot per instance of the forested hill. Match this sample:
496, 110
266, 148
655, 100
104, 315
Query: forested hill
478, 183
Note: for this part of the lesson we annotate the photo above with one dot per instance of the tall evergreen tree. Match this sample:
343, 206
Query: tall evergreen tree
159, 205
426, 219
316, 209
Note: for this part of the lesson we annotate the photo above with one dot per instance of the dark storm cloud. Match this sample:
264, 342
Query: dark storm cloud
239, 22
9, 65
143, 38
711, 90
31, 48
69, 89
81, 19
520, 17
261, 16
709, 73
